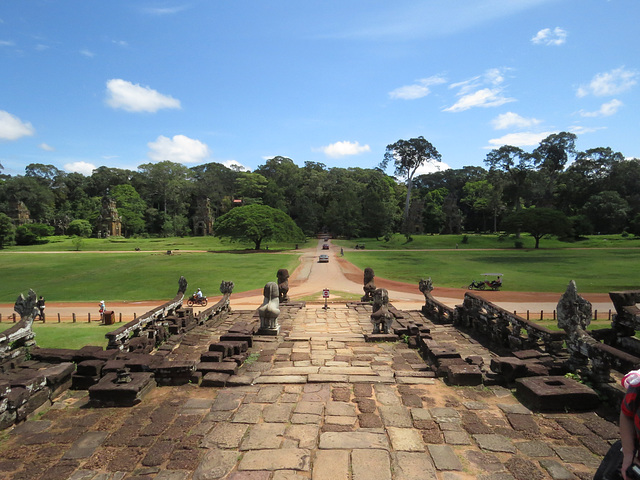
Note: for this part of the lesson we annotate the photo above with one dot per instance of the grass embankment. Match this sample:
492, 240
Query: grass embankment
68, 335
207, 244
133, 276
475, 241
595, 270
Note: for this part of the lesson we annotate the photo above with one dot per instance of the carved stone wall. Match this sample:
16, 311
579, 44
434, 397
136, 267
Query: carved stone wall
109, 221
203, 218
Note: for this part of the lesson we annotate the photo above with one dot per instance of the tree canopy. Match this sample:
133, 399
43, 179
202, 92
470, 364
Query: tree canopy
258, 223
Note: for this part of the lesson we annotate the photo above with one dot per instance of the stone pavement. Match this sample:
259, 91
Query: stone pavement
316, 402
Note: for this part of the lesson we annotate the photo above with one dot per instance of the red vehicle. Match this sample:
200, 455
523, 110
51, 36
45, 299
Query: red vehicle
198, 302
486, 283
325, 246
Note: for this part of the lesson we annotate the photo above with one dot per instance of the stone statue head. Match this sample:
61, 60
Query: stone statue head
368, 275
283, 275
425, 285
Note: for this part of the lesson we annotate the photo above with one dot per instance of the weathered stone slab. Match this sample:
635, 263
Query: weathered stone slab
225, 435
277, 413
284, 379
248, 413
214, 379
85, 445
444, 457
353, 440
464, 375
555, 393
331, 465
108, 392
371, 465
327, 378
263, 436
395, 416
556, 470
286, 371
405, 439
413, 466
216, 464
494, 442
282, 459
414, 380
347, 370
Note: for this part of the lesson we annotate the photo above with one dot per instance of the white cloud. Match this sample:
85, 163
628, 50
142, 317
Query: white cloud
87, 53
121, 43
417, 90
609, 83
342, 149
486, 97
12, 128
432, 167
472, 94
510, 119
164, 10
235, 165
180, 149
522, 139
6, 43
46, 148
549, 37
134, 98
85, 168
606, 109
579, 130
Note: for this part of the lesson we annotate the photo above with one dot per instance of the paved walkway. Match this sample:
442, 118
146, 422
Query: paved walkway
323, 405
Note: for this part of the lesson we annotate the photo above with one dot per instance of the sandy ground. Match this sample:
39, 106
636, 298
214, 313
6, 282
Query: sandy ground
338, 275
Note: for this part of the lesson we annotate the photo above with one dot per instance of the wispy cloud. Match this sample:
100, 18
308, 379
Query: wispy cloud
417, 90
46, 148
579, 129
12, 128
7, 43
164, 10
549, 37
120, 43
513, 120
344, 149
235, 165
87, 53
180, 149
135, 98
609, 83
481, 91
606, 109
85, 168
521, 139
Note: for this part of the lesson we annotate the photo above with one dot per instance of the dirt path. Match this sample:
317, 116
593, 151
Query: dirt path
341, 278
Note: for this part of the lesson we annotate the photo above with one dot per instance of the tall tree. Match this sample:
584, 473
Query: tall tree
407, 156
550, 157
538, 222
516, 164
257, 223
131, 208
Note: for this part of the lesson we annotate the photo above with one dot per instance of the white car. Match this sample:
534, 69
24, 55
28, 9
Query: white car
324, 259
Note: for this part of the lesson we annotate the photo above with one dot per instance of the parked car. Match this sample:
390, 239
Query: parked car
325, 246
324, 259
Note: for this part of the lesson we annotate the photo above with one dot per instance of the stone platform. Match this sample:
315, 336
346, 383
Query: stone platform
315, 402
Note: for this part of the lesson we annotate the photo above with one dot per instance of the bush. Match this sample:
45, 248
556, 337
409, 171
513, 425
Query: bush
81, 228
32, 234
518, 244
465, 239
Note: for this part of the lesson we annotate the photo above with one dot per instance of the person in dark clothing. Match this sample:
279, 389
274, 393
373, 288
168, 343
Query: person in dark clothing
40, 305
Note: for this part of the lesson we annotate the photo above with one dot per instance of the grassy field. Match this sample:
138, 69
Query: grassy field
133, 276
68, 335
422, 242
211, 244
594, 270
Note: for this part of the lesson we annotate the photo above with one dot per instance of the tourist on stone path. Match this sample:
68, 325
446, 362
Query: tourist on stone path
103, 308
341, 252
623, 454
40, 305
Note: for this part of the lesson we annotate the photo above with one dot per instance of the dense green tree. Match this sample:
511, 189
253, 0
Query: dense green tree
550, 157
131, 208
516, 164
607, 211
38, 198
103, 179
257, 223
284, 181
407, 156
7, 230
538, 222
81, 228
215, 182
33, 233
482, 198
433, 217
250, 187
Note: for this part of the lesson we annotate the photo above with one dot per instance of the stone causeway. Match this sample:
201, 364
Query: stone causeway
315, 402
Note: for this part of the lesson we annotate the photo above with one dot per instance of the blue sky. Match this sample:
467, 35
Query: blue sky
121, 83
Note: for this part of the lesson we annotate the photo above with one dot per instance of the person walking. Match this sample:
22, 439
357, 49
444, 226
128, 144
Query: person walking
40, 305
102, 308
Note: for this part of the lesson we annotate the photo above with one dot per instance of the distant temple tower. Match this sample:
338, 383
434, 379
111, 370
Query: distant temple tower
109, 222
203, 218
20, 213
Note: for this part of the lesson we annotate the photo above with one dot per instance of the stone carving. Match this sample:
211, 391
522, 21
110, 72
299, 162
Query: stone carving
109, 222
574, 312
426, 286
203, 218
381, 317
369, 286
21, 334
226, 288
182, 286
283, 285
21, 213
627, 317
269, 310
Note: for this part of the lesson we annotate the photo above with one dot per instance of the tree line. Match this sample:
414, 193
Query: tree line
595, 191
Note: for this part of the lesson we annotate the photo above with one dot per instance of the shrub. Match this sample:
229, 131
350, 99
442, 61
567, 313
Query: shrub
32, 234
81, 228
465, 239
519, 244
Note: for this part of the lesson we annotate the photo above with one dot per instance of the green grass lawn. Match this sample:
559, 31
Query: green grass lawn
594, 270
65, 243
133, 276
68, 335
421, 242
